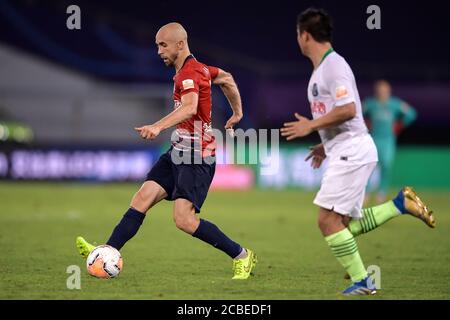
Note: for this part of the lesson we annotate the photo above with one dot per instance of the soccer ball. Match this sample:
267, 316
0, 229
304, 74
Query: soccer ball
104, 262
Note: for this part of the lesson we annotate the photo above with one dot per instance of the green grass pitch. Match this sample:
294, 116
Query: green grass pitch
39, 223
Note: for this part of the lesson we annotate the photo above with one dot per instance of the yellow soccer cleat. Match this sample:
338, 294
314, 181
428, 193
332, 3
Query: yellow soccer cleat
415, 207
84, 247
243, 268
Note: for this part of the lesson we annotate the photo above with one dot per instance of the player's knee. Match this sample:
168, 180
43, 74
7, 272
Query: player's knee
181, 222
321, 223
325, 221
143, 200
140, 202
185, 222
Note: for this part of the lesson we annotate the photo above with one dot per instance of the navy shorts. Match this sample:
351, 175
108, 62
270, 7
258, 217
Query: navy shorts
186, 181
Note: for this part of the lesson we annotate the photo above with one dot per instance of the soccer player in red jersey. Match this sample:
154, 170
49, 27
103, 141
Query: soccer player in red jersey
184, 173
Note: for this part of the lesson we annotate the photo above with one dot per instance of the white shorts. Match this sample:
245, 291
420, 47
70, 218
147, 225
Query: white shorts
345, 179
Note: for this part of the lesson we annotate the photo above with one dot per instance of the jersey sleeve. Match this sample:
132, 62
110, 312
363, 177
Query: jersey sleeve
213, 71
339, 81
188, 81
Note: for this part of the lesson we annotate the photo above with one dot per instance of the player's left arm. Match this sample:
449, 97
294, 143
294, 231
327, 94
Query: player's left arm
188, 108
407, 113
230, 89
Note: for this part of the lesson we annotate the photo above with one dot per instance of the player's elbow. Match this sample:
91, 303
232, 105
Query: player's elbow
191, 110
227, 80
349, 111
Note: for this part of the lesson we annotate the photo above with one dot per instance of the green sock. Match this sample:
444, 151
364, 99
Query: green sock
345, 250
373, 218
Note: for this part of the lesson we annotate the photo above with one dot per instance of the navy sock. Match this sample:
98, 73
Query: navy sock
211, 234
126, 228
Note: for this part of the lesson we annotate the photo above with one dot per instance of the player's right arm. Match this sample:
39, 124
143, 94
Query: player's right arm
304, 126
188, 108
188, 84
229, 88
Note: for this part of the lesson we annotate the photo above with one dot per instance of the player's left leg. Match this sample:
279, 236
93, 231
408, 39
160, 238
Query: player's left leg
344, 247
185, 219
340, 197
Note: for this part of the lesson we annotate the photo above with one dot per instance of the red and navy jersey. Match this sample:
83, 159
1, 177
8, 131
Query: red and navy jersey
195, 77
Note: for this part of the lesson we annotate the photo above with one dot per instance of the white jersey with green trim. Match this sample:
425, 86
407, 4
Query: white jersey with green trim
333, 85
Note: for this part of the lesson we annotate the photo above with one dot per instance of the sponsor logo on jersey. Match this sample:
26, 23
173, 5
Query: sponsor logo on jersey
318, 107
341, 92
207, 127
188, 84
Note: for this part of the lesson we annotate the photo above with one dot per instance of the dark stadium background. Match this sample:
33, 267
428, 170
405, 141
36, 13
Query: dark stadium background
256, 42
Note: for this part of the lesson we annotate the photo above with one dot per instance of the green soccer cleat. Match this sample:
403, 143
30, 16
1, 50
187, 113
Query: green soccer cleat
84, 247
243, 268
410, 203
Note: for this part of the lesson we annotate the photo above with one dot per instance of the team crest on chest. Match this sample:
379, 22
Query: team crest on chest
315, 90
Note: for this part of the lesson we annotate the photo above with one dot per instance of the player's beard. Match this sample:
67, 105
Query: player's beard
170, 60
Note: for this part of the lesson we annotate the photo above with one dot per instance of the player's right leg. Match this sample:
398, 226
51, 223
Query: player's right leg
83, 247
146, 197
406, 202
159, 184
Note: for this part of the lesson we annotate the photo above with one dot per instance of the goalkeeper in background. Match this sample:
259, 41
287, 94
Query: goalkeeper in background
386, 116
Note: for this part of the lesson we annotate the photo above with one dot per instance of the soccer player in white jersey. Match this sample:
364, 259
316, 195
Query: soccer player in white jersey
351, 153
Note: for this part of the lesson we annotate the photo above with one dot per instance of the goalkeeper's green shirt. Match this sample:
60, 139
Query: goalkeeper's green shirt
384, 116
